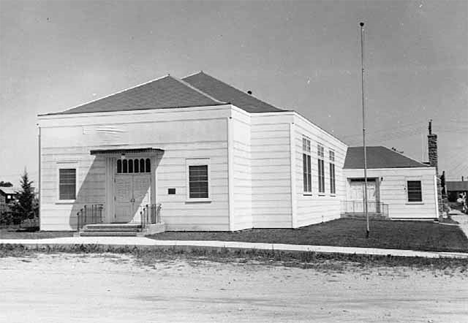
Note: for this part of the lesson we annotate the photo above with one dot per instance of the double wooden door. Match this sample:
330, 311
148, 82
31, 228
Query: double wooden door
356, 194
132, 193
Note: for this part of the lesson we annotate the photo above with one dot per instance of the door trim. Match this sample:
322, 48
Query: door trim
111, 171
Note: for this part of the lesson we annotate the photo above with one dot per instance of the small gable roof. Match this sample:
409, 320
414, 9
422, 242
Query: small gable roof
166, 92
378, 157
8, 190
227, 93
457, 186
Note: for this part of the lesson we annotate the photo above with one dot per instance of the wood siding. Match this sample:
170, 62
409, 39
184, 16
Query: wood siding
242, 172
393, 190
182, 134
270, 170
317, 207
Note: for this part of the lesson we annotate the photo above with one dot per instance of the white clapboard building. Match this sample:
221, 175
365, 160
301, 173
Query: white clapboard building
212, 158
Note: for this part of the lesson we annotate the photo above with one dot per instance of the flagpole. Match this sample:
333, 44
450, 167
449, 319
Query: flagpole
364, 131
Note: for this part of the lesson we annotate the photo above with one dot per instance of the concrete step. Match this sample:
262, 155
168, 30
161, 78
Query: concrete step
108, 234
111, 230
114, 227
375, 216
133, 229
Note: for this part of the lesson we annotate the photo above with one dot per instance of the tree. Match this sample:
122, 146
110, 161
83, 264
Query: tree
5, 184
26, 205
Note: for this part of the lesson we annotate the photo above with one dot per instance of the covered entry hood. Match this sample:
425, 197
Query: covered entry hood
149, 151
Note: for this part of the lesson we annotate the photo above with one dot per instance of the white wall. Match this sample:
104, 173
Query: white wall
57, 215
271, 170
393, 190
276, 186
315, 207
181, 133
241, 174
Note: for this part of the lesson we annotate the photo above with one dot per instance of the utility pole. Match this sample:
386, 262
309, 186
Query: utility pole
364, 132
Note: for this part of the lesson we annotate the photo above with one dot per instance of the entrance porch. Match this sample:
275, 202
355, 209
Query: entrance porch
90, 223
356, 204
130, 206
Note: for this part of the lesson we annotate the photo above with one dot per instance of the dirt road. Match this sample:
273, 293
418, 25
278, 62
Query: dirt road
116, 288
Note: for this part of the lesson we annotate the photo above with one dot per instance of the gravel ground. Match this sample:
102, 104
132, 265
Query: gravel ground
120, 288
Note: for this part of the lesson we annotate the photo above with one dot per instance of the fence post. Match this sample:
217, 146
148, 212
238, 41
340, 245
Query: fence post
78, 221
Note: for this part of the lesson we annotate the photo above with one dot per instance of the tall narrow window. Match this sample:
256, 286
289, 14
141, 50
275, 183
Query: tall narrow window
332, 173
67, 183
198, 181
321, 168
414, 191
119, 166
306, 165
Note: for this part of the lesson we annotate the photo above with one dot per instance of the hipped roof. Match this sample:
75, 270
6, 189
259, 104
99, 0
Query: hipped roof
228, 93
169, 92
166, 92
378, 157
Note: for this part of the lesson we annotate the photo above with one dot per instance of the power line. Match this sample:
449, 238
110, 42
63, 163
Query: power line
385, 130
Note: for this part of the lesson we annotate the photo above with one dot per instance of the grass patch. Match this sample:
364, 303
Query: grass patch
411, 235
26, 233
305, 260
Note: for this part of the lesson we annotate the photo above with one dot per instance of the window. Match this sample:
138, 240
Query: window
133, 166
67, 183
414, 191
332, 173
198, 181
321, 168
306, 165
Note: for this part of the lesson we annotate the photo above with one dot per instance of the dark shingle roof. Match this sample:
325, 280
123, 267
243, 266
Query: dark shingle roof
457, 186
169, 92
378, 157
166, 92
226, 93
8, 190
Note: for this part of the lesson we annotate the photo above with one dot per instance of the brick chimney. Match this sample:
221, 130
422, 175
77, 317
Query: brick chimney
432, 148
433, 161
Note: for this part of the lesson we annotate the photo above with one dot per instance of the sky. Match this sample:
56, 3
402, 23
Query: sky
300, 55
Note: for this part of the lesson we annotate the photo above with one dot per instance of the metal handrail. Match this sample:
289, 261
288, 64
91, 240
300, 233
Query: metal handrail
91, 214
357, 207
150, 214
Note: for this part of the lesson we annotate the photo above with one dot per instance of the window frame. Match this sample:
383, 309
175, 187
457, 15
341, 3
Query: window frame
67, 165
306, 166
421, 201
197, 162
332, 170
136, 163
321, 169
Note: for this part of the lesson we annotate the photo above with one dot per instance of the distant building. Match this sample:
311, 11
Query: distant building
455, 188
7, 194
405, 185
